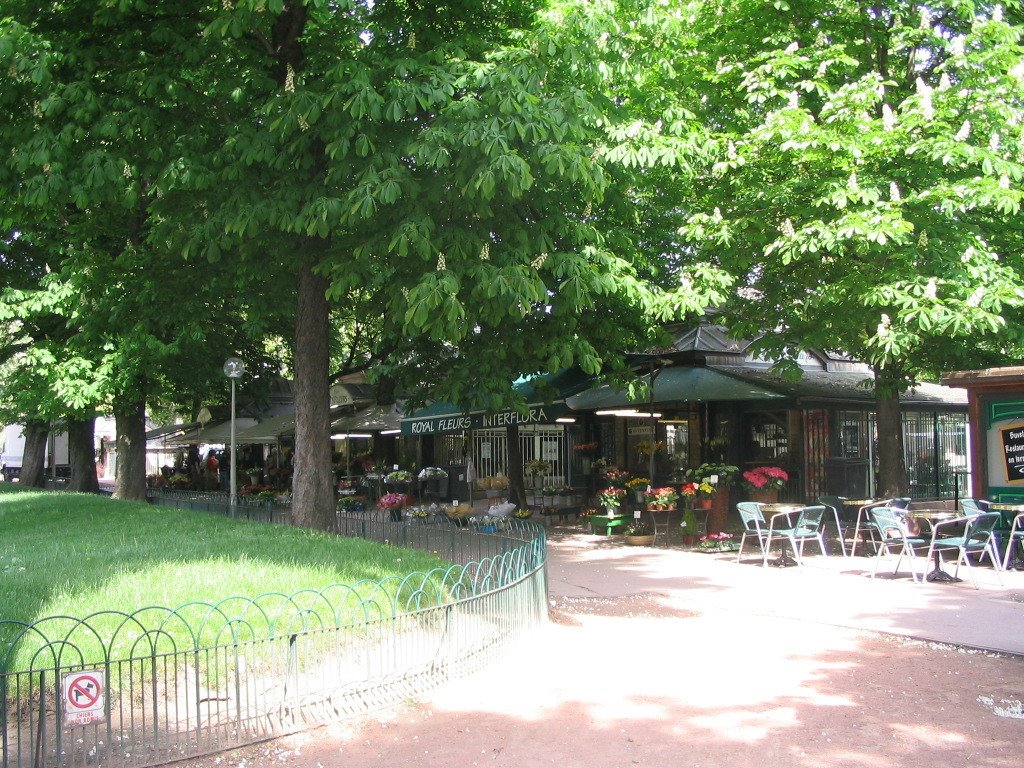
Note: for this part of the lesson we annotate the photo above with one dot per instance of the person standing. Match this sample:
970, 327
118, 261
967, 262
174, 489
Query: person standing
211, 474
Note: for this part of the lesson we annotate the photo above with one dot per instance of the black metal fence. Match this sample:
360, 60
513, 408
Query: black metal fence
163, 684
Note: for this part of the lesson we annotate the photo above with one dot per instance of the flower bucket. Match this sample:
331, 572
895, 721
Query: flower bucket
719, 510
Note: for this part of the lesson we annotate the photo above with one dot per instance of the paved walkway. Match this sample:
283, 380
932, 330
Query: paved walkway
669, 658
835, 591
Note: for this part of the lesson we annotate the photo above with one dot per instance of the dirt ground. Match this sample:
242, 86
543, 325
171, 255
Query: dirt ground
636, 680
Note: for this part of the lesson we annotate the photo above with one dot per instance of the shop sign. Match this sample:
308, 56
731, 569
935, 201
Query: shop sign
435, 425
1013, 452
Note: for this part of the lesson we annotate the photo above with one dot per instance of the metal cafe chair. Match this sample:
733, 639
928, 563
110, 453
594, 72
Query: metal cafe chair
972, 506
864, 524
754, 525
862, 527
806, 528
834, 504
894, 537
978, 539
1016, 539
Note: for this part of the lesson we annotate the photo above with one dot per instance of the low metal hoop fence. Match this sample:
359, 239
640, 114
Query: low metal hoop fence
163, 684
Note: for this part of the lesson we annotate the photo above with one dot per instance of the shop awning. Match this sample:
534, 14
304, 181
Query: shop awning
676, 384
270, 430
216, 434
546, 397
376, 418
168, 430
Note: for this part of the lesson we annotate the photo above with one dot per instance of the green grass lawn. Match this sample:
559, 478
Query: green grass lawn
75, 555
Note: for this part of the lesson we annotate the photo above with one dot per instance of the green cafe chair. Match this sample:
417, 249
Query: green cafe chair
894, 537
808, 525
834, 505
754, 525
978, 539
970, 507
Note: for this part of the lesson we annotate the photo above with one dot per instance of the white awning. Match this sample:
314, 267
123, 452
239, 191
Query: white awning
216, 434
269, 430
376, 418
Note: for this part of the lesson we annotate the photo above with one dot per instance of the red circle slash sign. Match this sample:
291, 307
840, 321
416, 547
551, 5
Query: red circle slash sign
84, 692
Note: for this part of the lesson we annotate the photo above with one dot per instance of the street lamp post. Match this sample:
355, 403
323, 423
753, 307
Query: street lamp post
233, 369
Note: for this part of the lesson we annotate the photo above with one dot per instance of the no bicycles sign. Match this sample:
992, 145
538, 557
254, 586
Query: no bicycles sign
82, 697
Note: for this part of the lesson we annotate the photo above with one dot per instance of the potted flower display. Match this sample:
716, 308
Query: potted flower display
716, 542
394, 502
615, 477
719, 476
764, 483
585, 516
645, 448
697, 495
611, 499
536, 468
352, 504
522, 513
586, 452
639, 534
398, 477
431, 473
460, 514
662, 498
638, 485
267, 495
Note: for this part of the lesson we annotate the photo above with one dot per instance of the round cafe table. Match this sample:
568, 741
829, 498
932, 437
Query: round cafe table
1008, 512
933, 516
784, 510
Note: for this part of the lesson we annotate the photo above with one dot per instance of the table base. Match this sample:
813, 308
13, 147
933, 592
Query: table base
1016, 562
940, 575
783, 560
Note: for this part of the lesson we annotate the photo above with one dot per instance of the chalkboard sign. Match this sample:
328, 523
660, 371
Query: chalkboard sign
1013, 452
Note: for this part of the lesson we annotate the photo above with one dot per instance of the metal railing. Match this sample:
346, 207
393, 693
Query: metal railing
164, 684
219, 502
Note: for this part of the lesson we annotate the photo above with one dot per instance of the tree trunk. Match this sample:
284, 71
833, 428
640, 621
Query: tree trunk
130, 421
33, 462
82, 456
892, 465
312, 484
514, 451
